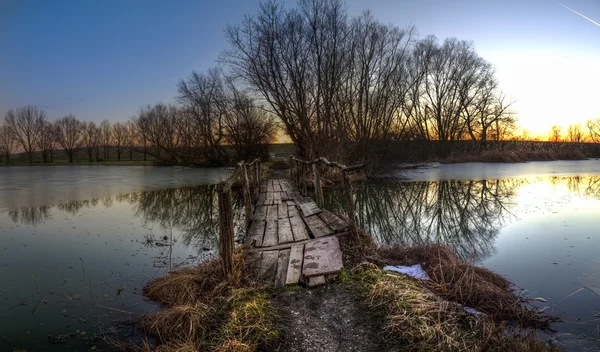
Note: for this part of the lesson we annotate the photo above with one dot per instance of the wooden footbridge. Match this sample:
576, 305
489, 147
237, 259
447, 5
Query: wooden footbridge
294, 240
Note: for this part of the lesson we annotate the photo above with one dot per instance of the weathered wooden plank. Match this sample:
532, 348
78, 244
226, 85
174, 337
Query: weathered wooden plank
322, 257
276, 185
284, 231
267, 267
269, 199
263, 188
318, 228
333, 221
285, 185
290, 244
309, 208
294, 270
260, 212
282, 211
315, 281
270, 188
256, 232
276, 197
284, 196
293, 211
261, 199
282, 268
270, 238
298, 228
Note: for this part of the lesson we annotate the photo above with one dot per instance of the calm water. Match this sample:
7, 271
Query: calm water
77, 245
538, 228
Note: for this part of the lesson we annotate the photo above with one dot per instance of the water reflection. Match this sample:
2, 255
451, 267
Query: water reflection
191, 211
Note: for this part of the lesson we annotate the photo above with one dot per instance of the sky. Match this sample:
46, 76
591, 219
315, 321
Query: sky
104, 59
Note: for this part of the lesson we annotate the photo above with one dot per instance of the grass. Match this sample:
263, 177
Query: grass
205, 311
417, 319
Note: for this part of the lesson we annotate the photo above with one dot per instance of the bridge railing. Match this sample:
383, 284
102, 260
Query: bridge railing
301, 175
226, 227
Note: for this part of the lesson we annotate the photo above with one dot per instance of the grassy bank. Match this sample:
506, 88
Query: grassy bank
202, 311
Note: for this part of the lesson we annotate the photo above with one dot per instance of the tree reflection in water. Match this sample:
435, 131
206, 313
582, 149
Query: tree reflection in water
187, 214
466, 215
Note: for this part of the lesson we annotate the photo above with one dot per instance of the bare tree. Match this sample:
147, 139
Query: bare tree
130, 141
47, 141
69, 134
91, 139
574, 133
593, 127
555, 133
26, 124
106, 129
7, 142
247, 129
203, 98
160, 125
119, 136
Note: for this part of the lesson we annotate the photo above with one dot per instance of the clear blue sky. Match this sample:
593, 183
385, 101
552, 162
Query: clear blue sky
104, 59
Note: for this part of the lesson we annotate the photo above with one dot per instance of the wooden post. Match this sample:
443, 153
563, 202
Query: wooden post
317, 184
349, 199
247, 195
304, 175
225, 228
291, 167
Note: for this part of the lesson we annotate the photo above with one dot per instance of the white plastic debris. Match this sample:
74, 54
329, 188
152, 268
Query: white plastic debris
414, 271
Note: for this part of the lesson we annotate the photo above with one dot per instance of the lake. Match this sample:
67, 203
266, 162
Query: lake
78, 244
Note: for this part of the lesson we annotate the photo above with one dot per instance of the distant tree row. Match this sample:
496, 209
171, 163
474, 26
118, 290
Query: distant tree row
575, 132
211, 114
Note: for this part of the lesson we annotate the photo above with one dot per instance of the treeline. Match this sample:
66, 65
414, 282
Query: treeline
212, 114
340, 87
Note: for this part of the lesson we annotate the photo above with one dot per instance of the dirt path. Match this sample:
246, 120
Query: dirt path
326, 319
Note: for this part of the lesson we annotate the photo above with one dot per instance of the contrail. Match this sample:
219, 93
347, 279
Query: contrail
587, 18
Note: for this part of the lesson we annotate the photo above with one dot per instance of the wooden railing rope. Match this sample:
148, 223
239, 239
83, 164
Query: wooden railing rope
301, 168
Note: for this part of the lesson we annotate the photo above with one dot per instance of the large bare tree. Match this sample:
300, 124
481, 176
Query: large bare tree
47, 141
593, 127
26, 124
69, 134
120, 137
106, 140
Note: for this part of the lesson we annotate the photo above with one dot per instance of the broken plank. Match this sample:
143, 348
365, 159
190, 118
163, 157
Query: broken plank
256, 232
282, 268
322, 257
270, 238
298, 228
267, 267
309, 208
333, 221
316, 281
294, 270
318, 228
284, 231
290, 244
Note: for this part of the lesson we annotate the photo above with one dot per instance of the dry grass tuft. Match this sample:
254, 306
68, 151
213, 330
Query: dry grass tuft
179, 323
459, 281
187, 286
177, 347
418, 319
233, 346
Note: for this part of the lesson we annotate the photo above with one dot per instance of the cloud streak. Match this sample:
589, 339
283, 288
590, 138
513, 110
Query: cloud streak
575, 12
